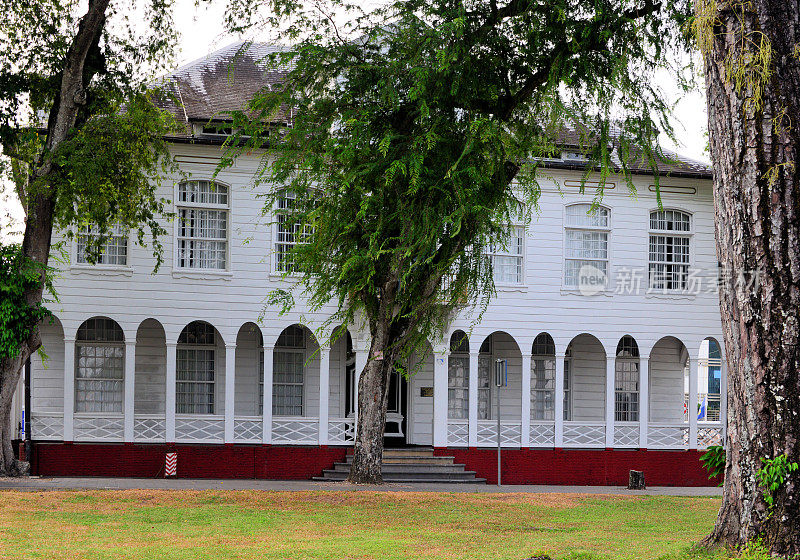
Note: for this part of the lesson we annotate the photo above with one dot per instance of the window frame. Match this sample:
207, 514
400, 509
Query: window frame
460, 355
607, 229
619, 360
75, 252
670, 233
213, 383
536, 392
523, 234
275, 232
302, 351
185, 205
569, 383
120, 344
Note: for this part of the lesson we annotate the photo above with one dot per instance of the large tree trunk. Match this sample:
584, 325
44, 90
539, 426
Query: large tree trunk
757, 196
41, 204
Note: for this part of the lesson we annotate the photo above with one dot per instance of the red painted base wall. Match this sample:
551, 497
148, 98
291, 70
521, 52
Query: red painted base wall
584, 467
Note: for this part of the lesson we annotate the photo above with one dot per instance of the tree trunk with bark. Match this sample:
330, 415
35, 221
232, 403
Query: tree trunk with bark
757, 196
64, 115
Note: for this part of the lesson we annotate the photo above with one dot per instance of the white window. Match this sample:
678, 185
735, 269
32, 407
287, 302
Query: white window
543, 374
508, 259
458, 377
288, 375
113, 251
626, 383
288, 233
568, 384
585, 243
261, 382
485, 370
670, 234
195, 370
100, 366
202, 225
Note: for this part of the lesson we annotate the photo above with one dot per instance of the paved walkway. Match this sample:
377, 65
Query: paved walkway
38, 484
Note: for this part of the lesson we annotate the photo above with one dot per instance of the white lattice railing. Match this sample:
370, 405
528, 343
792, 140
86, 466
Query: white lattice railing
708, 435
626, 434
341, 430
668, 436
47, 426
584, 434
458, 433
542, 434
295, 430
510, 433
199, 428
96, 427
248, 429
149, 428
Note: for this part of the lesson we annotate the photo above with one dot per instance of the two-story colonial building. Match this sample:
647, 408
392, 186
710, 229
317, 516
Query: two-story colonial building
603, 375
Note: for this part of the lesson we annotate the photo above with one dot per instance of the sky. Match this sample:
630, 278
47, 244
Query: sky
202, 32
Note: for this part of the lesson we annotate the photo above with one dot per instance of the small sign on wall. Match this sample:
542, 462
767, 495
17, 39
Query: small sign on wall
426, 391
171, 465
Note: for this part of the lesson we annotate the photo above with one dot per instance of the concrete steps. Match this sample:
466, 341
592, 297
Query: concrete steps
412, 464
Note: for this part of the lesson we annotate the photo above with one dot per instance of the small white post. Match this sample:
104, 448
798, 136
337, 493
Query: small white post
525, 408
692, 408
472, 413
230, 391
559, 404
610, 399
69, 389
644, 400
324, 393
169, 400
440, 399
128, 407
266, 404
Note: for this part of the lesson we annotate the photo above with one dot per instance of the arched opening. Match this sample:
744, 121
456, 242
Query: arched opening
99, 366
151, 370
295, 373
458, 377
200, 370
584, 379
626, 381
543, 374
249, 387
500, 346
669, 382
709, 380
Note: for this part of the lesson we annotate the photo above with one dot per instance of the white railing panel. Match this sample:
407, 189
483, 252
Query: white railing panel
584, 434
47, 426
458, 433
668, 436
200, 428
248, 429
99, 427
149, 428
295, 430
341, 430
510, 433
626, 435
708, 435
543, 434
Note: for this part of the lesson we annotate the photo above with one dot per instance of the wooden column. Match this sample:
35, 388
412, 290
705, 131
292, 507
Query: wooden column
611, 362
129, 390
440, 399
266, 404
69, 389
230, 391
525, 404
472, 413
644, 400
324, 393
169, 403
692, 407
559, 404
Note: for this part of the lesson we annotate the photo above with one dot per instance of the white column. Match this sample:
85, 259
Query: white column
723, 399
472, 413
169, 402
230, 390
266, 417
440, 399
69, 389
525, 405
610, 399
361, 363
644, 400
692, 408
129, 390
559, 404
324, 393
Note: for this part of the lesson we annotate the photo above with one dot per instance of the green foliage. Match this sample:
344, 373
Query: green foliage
416, 129
17, 317
755, 550
772, 475
714, 461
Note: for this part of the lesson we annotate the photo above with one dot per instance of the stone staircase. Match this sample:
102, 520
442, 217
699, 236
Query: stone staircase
412, 464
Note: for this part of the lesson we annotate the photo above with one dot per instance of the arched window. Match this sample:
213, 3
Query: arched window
458, 377
585, 242
288, 377
714, 380
100, 366
202, 209
543, 373
568, 383
196, 368
670, 235
626, 403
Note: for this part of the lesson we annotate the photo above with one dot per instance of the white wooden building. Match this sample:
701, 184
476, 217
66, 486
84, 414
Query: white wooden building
190, 355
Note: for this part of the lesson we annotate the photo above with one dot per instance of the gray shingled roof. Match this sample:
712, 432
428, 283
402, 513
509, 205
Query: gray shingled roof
228, 78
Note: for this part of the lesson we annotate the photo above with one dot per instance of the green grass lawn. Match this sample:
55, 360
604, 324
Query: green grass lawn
348, 525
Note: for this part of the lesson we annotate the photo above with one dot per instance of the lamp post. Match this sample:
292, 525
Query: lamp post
500, 380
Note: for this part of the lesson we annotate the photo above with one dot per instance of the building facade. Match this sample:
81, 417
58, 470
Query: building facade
606, 320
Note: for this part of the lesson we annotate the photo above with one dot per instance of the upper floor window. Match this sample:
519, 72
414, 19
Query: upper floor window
100, 366
195, 370
508, 258
202, 225
586, 243
113, 251
670, 235
288, 233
